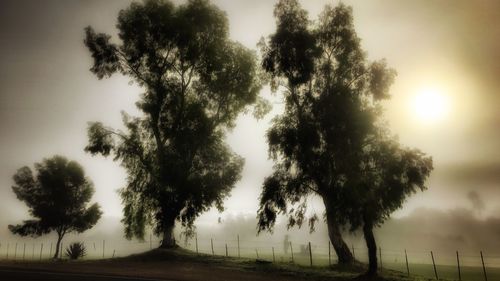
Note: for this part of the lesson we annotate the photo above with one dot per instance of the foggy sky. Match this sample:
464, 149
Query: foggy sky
47, 94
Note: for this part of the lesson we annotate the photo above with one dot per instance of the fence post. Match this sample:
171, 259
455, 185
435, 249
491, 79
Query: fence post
212, 243
310, 255
8, 244
24, 250
41, 249
329, 255
238, 237
196, 241
15, 252
257, 253
33, 253
103, 247
50, 252
274, 259
434, 264
150, 242
226, 249
291, 250
380, 257
113, 256
407, 266
484, 268
458, 265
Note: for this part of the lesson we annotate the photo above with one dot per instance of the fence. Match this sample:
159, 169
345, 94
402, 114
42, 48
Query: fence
465, 266
98, 249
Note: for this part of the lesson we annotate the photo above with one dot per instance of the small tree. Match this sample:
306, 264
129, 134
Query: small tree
195, 81
389, 174
57, 197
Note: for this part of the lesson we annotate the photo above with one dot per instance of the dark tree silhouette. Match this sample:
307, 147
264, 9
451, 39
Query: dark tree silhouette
319, 69
389, 174
332, 108
57, 197
196, 81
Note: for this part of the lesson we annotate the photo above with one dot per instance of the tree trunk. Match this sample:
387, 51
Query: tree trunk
372, 248
168, 240
341, 249
58, 245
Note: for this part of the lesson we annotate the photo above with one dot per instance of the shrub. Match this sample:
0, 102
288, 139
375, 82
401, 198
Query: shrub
76, 250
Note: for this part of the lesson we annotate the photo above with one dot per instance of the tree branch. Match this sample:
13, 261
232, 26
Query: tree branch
125, 62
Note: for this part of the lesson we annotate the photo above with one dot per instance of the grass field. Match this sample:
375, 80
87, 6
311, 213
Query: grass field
417, 270
448, 272
301, 264
468, 273
182, 264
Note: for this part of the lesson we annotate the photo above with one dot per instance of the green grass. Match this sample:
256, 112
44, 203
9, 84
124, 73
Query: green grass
417, 270
300, 268
319, 272
449, 272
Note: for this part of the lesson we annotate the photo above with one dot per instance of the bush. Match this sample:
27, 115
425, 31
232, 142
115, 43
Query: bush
75, 251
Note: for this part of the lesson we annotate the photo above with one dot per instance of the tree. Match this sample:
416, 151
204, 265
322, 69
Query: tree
57, 197
305, 152
332, 101
389, 174
195, 81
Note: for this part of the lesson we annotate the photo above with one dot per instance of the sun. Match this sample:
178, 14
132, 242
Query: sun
430, 105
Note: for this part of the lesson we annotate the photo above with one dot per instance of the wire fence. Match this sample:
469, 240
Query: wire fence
95, 249
467, 266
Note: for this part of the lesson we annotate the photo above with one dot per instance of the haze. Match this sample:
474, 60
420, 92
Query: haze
445, 53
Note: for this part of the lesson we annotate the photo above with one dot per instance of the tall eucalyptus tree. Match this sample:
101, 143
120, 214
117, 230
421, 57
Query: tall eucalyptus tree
195, 81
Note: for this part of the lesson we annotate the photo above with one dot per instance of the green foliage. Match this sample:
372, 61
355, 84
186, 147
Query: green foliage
76, 250
100, 140
57, 197
196, 81
262, 108
330, 140
389, 174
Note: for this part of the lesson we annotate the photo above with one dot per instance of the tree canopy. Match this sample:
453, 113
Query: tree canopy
195, 81
57, 197
332, 128
389, 174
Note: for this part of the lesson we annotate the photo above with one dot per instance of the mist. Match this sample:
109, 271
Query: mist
48, 96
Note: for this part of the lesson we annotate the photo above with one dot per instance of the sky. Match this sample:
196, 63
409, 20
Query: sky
445, 99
